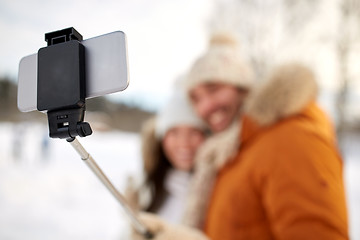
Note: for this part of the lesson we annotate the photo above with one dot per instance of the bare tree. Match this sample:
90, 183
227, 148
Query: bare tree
348, 34
263, 26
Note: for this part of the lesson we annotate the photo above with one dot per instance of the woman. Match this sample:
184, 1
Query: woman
169, 144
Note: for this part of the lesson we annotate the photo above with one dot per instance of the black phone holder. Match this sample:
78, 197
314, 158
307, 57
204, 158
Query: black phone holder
61, 84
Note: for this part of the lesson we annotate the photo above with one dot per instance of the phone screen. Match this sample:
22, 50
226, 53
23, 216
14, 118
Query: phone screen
106, 62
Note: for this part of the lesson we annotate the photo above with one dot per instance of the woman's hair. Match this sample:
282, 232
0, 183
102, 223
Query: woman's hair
156, 181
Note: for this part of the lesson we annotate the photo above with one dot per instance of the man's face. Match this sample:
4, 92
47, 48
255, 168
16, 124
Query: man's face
218, 104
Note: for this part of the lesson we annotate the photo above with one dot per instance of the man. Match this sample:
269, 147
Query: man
285, 181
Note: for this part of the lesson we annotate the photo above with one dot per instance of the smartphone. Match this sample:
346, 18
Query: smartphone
106, 70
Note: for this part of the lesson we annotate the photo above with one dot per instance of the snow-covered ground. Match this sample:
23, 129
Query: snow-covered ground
351, 152
47, 192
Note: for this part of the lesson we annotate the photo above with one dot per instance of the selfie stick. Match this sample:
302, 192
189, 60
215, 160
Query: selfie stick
61, 90
88, 159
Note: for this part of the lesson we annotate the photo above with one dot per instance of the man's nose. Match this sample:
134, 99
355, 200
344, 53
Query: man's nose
183, 140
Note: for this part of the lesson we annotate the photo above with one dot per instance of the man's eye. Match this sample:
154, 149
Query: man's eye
173, 132
212, 88
194, 98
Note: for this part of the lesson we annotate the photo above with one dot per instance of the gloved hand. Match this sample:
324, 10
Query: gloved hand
131, 194
166, 231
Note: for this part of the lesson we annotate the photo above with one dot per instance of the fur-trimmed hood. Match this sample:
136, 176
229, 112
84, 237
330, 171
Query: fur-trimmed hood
286, 92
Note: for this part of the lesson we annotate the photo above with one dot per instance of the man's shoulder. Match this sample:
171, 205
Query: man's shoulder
290, 141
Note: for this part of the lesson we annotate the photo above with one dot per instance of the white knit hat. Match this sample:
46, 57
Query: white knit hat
221, 63
177, 111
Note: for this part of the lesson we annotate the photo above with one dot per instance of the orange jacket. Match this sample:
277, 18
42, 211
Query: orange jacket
285, 183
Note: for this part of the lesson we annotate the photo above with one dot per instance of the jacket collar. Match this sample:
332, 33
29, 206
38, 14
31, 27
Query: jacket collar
286, 92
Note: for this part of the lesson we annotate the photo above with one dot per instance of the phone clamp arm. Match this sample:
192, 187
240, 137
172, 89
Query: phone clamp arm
61, 88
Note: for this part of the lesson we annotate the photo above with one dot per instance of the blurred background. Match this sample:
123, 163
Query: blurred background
46, 192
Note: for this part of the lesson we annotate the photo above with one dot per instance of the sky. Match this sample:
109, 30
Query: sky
164, 37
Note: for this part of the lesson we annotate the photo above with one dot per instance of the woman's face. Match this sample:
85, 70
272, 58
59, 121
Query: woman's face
180, 144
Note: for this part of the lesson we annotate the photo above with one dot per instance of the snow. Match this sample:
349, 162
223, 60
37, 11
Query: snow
352, 183
49, 193
351, 148
56, 196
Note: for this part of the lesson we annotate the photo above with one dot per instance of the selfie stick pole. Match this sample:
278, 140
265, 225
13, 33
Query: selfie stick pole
88, 159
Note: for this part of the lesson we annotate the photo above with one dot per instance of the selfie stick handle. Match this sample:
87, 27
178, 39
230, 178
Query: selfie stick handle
88, 159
